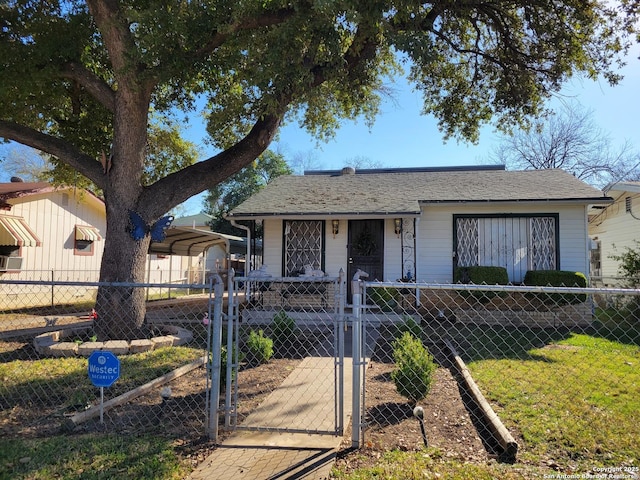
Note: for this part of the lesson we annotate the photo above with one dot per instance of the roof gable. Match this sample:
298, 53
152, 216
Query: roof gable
18, 190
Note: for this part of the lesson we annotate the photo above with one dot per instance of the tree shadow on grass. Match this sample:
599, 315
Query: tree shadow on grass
480, 342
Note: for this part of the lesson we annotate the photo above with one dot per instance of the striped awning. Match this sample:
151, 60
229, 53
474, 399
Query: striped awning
14, 231
87, 233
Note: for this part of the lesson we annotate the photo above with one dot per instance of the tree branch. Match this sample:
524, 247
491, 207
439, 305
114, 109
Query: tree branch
83, 163
178, 187
98, 89
114, 31
266, 20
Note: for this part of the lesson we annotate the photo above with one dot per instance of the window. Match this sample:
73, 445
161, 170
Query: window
303, 245
84, 238
83, 247
517, 243
10, 258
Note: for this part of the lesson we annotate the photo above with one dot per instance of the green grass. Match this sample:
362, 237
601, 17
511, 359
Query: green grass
90, 457
576, 400
67, 377
63, 382
572, 401
432, 464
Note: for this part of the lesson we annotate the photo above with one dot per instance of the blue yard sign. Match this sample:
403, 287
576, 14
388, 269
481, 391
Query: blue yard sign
104, 368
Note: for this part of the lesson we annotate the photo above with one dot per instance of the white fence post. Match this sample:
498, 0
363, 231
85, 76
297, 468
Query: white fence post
356, 421
216, 355
339, 351
232, 311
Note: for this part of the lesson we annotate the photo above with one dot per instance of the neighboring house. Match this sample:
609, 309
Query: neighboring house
614, 227
44, 229
421, 223
57, 233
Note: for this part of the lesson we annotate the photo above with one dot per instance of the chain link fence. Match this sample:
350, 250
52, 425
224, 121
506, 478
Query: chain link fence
283, 322
48, 290
543, 373
44, 351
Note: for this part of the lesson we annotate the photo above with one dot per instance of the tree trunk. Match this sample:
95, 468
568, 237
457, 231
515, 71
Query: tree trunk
121, 309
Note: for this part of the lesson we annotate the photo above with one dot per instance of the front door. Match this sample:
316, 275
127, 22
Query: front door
365, 250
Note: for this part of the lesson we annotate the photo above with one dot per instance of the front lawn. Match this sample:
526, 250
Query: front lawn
575, 402
571, 400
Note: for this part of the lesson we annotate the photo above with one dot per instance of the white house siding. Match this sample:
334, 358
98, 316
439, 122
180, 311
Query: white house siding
335, 249
615, 226
434, 259
435, 246
574, 240
53, 217
392, 252
272, 246
435, 231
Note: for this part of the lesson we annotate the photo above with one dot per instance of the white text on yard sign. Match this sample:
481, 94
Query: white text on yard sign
104, 368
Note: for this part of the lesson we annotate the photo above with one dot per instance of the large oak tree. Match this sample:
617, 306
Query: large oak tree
80, 80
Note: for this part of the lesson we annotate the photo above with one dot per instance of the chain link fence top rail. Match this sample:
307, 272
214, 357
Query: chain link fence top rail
538, 370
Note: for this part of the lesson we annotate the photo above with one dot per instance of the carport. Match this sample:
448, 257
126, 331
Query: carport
190, 241
187, 242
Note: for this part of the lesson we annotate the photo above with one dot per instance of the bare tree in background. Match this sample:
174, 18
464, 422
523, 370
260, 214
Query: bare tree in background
26, 163
570, 140
361, 162
304, 160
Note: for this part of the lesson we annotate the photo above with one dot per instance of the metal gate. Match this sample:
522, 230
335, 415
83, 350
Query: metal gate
301, 387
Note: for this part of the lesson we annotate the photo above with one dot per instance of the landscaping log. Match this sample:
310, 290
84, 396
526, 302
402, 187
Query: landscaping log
94, 411
507, 442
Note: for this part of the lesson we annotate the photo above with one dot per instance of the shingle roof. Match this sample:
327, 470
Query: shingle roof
17, 189
627, 186
13, 190
402, 191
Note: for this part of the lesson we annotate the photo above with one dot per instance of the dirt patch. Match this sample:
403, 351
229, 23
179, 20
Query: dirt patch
391, 424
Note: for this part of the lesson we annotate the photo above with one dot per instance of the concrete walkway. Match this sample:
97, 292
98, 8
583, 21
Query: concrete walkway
303, 401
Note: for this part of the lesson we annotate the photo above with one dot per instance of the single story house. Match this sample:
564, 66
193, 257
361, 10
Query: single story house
613, 228
421, 223
44, 229
57, 233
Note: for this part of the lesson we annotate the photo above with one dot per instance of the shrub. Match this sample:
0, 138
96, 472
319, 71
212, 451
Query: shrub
260, 348
556, 278
414, 369
481, 275
384, 297
629, 264
409, 325
223, 365
284, 332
